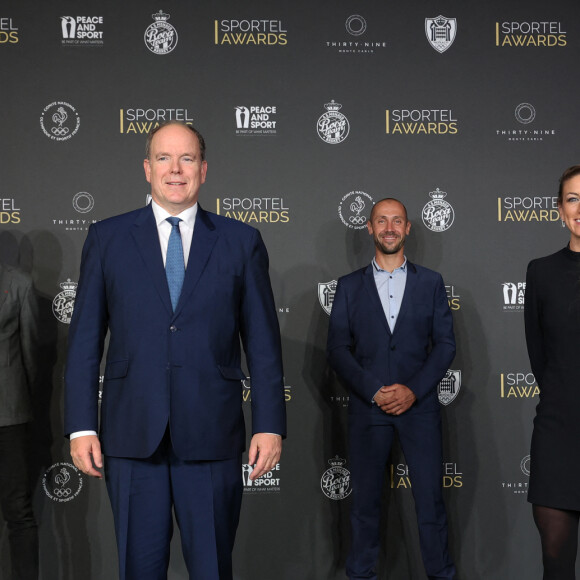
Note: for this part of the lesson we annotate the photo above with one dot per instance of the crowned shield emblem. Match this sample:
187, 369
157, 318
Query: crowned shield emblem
440, 32
449, 387
326, 292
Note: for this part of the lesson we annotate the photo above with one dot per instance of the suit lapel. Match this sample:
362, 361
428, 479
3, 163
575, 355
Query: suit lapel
373, 294
144, 231
202, 243
410, 286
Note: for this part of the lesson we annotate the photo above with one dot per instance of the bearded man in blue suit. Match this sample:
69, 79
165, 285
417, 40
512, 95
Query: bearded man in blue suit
177, 296
391, 340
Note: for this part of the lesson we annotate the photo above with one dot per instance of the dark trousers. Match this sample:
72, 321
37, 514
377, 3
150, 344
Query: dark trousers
369, 448
16, 502
206, 497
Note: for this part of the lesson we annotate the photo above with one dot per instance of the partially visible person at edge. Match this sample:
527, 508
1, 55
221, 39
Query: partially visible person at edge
552, 320
391, 340
177, 288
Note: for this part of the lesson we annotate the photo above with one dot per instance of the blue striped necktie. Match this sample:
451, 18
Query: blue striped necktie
174, 262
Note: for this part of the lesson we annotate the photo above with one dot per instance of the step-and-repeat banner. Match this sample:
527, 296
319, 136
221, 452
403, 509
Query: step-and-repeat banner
312, 112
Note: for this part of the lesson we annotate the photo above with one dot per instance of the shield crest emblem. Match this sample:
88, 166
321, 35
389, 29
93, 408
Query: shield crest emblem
326, 292
449, 387
440, 32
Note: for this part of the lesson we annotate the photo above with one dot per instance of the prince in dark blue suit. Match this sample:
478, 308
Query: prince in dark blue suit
391, 340
171, 425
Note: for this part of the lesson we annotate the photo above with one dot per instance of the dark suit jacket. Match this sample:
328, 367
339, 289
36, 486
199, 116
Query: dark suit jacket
18, 341
180, 368
367, 355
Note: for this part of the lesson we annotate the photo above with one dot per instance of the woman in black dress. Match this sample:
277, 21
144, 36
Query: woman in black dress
552, 317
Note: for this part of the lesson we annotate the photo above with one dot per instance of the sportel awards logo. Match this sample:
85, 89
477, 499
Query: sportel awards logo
514, 294
518, 386
333, 127
140, 121
64, 302
82, 30
59, 121
335, 481
354, 209
453, 298
357, 41
438, 214
258, 210
62, 482
527, 209
326, 292
449, 387
247, 391
250, 33
440, 32
399, 476
255, 120
9, 213
420, 122
525, 34
8, 32
160, 37
519, 484
267, 483
527, 130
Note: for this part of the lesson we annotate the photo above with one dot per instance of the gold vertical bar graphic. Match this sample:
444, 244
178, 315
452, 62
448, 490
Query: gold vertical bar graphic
502, 391
497, 33
499, 209
121, 118
218, 206
216, 32
387, 120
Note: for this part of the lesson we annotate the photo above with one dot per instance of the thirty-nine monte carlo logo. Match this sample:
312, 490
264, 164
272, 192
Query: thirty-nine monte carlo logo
335, 481
420, 122
64, 302
514, 294
358, 39
83, 203
333, 127
527, 34
440, 32
526, 128
438, 214
141, 121
82, 31
256, 120
62, 482
250, 32
59, 121
160, 37
354, 209
326, 292
519, 485
449, 387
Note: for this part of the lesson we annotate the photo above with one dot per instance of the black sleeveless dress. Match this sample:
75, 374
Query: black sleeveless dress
552, 318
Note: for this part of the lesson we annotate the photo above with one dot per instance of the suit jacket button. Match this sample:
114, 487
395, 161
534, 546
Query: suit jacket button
173, 328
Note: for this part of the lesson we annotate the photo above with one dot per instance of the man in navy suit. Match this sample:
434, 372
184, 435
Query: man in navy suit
391, 340
171, 422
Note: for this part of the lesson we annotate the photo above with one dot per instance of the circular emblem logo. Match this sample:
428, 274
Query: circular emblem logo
62, 482
356, 25
438, 215
64, 302
525, 113
525, 465
59, 121
333, 127
354, 209
83, 202
335, 481
160, 37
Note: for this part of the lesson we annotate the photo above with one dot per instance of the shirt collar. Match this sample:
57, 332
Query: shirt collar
402, 267
161, 214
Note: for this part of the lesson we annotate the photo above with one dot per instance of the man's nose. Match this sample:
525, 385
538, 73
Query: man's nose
175, 166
